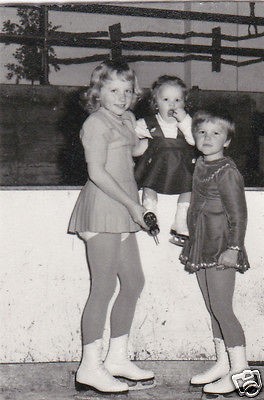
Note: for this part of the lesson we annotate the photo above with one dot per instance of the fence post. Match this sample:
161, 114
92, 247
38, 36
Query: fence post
43, 27
116, 45
216, 49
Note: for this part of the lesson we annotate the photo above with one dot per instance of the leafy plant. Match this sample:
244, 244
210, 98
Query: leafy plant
29, 57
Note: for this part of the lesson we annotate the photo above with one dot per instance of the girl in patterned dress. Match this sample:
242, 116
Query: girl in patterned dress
106, 216
217, 220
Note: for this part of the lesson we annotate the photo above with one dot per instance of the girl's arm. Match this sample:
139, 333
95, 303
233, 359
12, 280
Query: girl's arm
140, 147
185, 124
143, 134
228, 259
231, 189
142, 130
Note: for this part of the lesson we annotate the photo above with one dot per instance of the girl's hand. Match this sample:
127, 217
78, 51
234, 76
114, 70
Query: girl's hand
179, 114
136, 211
140, 148
228, 259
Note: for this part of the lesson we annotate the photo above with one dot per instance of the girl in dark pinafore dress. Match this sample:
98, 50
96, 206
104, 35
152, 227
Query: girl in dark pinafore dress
166, 166
217, 219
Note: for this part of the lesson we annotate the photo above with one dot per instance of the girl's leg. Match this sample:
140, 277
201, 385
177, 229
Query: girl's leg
150, 199
102, 251
221, 367
101, 255
184, 198
179, 228
202, 281
131, 284
221, 285
221, 289
132, 281
180, 219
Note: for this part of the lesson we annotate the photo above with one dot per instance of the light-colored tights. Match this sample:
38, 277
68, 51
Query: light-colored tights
109, 258
217, 287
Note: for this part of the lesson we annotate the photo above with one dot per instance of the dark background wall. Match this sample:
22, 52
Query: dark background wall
39, 133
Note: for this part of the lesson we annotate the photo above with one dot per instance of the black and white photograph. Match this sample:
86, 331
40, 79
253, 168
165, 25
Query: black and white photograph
131, 200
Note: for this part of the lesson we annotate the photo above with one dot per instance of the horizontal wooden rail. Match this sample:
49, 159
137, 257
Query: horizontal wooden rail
29, 40
95, 8
191, 34
77, 35
82, 36
82, 60
130, 45
231, 38
167, 35
153, 58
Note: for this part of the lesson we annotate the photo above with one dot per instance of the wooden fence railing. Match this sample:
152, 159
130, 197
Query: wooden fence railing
115, 41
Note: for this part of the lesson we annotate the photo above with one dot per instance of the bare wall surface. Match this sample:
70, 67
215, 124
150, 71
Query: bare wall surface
44, 283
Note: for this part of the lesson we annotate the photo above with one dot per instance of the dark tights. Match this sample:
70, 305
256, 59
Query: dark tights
109, 258
217, 287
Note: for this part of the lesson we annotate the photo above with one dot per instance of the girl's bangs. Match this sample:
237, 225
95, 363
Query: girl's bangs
126, 75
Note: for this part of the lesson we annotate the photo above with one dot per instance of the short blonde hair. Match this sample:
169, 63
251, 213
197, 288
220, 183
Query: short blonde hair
213, 115
103, 73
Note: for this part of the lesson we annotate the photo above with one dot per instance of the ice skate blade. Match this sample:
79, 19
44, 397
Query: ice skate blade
143, 384
196, 387
82, 387
220, 396
178, 239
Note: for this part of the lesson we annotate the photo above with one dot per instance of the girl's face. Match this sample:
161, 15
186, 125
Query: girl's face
211, 138
169, 98
116, 95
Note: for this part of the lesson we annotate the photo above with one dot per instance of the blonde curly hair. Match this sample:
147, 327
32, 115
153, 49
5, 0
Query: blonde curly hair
103, 73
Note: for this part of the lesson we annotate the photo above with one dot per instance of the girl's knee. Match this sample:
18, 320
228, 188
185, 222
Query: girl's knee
133, 288
138, 281
150, 193
221, 313
184, 197
103, 289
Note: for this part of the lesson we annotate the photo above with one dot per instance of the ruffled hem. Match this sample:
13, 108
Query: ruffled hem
194, 267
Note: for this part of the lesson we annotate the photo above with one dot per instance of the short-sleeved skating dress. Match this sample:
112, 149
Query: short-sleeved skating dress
166, 166
108, 138
217, 216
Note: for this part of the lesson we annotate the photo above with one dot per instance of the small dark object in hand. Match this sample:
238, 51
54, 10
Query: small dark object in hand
152, 223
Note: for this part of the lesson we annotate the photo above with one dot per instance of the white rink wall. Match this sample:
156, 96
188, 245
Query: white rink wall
44, 283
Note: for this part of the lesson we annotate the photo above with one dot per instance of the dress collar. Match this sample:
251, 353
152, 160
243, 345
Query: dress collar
219, 161
116, 118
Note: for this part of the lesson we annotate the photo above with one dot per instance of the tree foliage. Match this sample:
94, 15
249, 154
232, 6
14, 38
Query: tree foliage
29, 58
